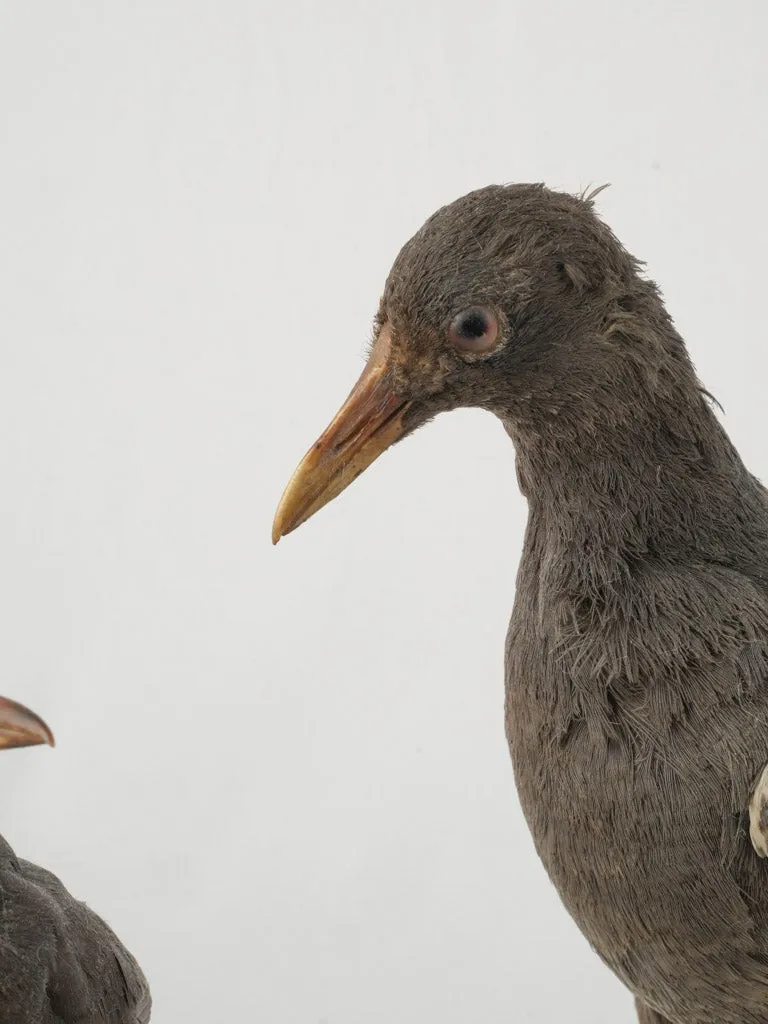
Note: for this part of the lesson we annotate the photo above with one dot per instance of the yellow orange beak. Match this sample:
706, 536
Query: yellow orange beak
366, 425
20, 727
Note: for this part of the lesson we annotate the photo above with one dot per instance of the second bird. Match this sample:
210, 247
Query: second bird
59, 962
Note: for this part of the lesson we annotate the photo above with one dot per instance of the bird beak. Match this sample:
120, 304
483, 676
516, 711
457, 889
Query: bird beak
366, 425
20, 727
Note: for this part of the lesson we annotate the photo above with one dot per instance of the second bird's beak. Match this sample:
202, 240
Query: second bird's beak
366, 425
20, 727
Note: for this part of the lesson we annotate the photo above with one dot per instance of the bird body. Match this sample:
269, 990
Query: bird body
637, 696
59, 962
637, 652
634, 758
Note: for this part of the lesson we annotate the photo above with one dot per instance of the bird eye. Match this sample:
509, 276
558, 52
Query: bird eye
474, 330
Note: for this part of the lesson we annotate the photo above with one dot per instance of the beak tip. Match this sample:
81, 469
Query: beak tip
286, 520
278, 530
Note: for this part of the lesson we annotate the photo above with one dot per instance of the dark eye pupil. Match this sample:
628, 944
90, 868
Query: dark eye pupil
473, 325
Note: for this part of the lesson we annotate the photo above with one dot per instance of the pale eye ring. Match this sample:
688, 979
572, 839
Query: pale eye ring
475, 330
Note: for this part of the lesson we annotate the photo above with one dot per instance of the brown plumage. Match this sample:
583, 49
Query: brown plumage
637, 652
59, 962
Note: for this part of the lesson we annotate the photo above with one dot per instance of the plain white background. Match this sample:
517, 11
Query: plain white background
281, 774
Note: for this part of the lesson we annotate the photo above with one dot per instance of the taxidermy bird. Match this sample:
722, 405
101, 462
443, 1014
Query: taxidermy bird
637, 652
59, 962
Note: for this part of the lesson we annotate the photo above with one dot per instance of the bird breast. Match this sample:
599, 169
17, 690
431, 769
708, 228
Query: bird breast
636, 741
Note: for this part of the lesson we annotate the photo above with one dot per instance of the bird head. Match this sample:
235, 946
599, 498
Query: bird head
496, 303
20, 727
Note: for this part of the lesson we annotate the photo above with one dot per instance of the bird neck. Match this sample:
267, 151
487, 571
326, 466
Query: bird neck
637, 469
